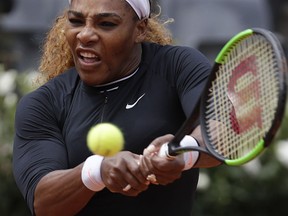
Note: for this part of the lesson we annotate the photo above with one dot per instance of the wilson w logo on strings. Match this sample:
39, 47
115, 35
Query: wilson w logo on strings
244, 94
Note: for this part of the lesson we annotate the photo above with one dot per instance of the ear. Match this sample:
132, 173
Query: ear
141, 30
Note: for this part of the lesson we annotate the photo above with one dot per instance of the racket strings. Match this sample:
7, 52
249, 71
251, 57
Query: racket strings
236, 121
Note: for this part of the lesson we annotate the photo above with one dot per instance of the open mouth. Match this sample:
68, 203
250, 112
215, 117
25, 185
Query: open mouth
89, 57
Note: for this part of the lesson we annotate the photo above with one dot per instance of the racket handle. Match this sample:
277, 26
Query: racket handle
190, 157
164, 151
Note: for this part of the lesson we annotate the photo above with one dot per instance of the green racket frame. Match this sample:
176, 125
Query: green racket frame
220, 59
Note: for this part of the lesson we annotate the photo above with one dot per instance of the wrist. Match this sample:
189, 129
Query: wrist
91, 173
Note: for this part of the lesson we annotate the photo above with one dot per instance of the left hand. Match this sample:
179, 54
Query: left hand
163, 169
121, 170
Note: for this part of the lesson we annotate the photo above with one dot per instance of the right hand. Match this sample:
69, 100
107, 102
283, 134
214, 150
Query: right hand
165, 170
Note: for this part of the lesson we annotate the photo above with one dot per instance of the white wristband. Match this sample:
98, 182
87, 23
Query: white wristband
91, 173
190, 157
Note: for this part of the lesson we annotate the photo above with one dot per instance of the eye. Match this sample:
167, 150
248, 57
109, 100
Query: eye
107, 24
75, 21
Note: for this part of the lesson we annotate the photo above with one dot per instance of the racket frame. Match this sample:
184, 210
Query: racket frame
190, 124
265, 141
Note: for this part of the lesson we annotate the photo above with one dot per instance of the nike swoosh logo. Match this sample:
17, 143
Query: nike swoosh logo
130, 106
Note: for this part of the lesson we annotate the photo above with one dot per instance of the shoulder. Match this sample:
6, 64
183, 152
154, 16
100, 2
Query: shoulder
173, 62
173, 52
64, 83
52, 95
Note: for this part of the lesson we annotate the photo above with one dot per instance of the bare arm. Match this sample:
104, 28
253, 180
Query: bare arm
204, 160
61, 193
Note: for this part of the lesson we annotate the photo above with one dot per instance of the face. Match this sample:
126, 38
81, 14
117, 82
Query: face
104, 37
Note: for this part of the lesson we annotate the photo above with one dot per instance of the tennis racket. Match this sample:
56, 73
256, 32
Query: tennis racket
243, 102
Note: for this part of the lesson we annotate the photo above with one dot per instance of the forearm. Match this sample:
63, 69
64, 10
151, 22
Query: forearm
204, 160
61, 193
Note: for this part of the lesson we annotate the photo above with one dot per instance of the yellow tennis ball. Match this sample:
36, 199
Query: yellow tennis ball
105, 139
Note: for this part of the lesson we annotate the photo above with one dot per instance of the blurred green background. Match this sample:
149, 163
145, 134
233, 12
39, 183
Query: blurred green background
257, 188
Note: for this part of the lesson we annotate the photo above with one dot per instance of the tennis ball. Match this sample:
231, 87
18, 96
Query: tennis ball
105, 139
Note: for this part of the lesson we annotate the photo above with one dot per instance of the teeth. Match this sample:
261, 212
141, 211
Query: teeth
88, 55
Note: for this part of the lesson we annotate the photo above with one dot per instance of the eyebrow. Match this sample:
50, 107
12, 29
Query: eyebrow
99, 15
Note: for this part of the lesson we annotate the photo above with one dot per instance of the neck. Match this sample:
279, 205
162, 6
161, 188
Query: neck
134, 61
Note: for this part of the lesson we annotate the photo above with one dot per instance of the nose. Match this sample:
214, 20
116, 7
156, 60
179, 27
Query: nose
87, 35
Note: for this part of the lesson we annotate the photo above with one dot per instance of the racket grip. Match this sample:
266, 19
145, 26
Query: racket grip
164, 151
190, 157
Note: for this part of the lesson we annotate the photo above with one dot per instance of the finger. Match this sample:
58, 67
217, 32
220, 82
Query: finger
165, 171
116, 179
146, 167
134, 175
127, 188
147, 170
121, 185
156, 144
151, 149
123, 170
152, 178
116, 184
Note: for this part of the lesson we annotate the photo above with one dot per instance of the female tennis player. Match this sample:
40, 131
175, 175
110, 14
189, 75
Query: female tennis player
109, 61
